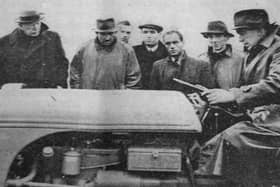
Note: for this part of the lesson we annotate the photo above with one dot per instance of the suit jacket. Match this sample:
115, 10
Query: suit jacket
187, 69
146, 60
39, 62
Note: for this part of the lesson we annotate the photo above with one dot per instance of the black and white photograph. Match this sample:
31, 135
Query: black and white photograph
140, 93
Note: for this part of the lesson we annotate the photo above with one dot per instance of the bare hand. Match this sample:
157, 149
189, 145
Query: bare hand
216, 96
201, 87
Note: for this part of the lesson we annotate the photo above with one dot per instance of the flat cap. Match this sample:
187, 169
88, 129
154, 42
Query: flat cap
151, 26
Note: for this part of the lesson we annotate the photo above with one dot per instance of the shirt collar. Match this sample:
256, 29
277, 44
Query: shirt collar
226, 52
152, 49
179, 59
100, 47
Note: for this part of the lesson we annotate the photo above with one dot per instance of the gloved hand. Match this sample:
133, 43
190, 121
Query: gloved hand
198, 103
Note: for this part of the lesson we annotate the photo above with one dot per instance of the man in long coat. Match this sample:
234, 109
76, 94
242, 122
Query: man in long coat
149, 51
246, 151
226, 67
33, 55
105, 63
226, 62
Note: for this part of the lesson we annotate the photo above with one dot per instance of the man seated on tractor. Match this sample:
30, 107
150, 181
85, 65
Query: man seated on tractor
242, 151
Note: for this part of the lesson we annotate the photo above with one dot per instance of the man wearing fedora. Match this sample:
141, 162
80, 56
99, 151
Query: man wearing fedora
226, 62
104, 62
32, 54
149, 51
245, 152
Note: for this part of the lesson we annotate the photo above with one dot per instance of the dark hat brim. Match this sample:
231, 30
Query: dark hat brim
253, 26
31, 21
105, 31
205, 34
39, 18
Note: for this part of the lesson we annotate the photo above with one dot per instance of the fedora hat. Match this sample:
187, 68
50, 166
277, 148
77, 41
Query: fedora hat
29, 16
250, 19
216, 27
151, 26
105, 25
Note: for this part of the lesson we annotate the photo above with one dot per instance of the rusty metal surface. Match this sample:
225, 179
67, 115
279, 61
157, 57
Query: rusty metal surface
154, 111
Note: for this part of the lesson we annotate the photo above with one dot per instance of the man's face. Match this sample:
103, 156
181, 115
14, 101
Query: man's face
217, 41
106, 38
150, 36
249, 37
31, 29
173, 44
124, 33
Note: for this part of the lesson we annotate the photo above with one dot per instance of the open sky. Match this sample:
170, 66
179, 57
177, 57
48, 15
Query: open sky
74, 20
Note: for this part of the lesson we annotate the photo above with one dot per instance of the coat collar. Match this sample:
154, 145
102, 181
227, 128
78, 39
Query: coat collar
157, 47
100, 47
227, 52
17, 34
268, 41
179, 60
152, 49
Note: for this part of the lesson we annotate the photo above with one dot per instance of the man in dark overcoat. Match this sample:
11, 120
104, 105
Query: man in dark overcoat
245, 152
33, 55
149, 51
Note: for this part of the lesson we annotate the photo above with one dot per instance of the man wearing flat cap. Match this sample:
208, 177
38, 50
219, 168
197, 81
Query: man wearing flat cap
149, 51
226, 62
246, 152
104, 62
32, 54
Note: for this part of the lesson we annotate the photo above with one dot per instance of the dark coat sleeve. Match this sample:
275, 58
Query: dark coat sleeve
2, 72
76, 69
206, 79
266, 91
61, 63
154, 80
133, 73
4, 41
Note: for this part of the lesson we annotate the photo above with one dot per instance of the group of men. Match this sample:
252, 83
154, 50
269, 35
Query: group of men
33, 55
157, 61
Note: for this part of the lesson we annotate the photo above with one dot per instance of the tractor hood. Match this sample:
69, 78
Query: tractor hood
114, 111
